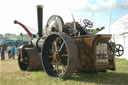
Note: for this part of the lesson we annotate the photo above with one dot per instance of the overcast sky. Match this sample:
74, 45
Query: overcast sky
97, 11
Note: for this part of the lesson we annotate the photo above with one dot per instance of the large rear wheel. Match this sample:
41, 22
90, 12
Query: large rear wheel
59, 55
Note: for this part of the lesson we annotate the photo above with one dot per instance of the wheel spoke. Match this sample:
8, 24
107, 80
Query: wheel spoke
121, 50
55, 45
58, 40
62, 45
119, 47
119, 53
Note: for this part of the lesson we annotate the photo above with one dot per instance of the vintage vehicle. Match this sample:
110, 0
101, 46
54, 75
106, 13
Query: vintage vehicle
61, 49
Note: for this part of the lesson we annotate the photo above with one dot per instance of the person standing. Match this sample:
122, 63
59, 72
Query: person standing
17, 50
9, 51
13, 52
3, 52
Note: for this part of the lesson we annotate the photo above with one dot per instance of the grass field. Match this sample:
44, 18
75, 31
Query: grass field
10, 74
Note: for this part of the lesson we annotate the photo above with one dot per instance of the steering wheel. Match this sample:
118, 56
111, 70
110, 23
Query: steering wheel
87, 23
119, 50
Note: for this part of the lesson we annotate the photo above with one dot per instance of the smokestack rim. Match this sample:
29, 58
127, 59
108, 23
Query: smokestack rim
39, 6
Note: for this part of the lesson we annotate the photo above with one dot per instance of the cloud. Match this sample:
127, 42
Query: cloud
103, 5
65, 4
107, 5
123, 4
84, 5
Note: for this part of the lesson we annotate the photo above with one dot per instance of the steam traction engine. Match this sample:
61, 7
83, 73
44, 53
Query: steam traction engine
64, 48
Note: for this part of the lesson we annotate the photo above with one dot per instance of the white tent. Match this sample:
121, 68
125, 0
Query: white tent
119, 31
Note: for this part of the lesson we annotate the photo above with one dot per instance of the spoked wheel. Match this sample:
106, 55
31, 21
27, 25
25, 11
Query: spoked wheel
23, 61
119, 50
59, 55
87, 23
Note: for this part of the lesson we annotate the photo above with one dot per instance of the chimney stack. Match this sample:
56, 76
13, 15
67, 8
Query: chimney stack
40, 19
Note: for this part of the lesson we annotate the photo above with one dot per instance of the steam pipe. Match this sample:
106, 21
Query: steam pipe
40, 18
25, 28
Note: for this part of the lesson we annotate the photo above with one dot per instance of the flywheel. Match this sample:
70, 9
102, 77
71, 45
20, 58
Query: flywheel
54, 24
59, 55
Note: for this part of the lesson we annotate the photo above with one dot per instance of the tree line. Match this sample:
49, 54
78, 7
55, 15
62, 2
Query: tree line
94, 31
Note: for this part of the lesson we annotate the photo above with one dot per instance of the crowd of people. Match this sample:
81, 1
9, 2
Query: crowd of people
12, 51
